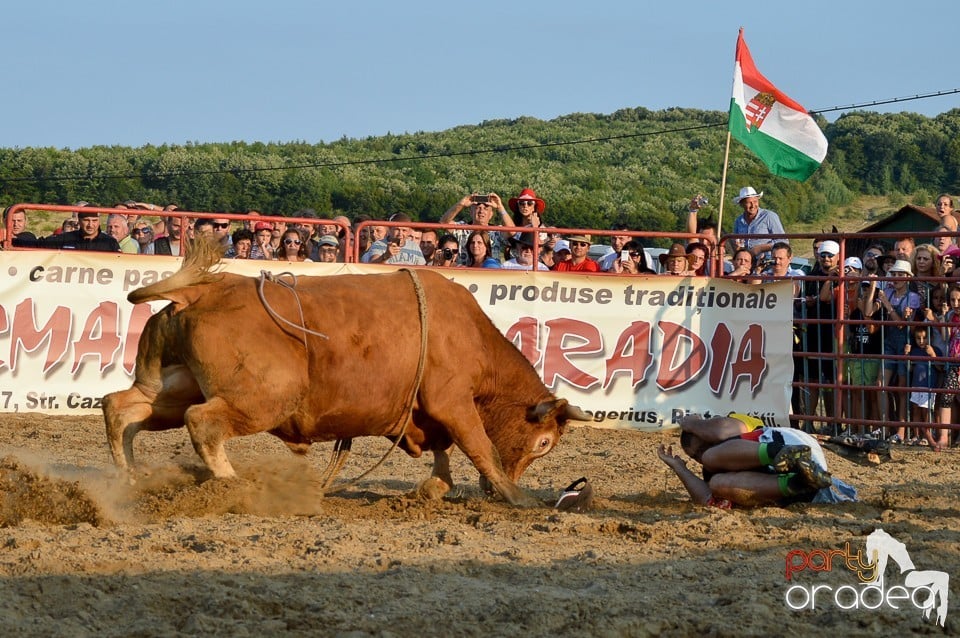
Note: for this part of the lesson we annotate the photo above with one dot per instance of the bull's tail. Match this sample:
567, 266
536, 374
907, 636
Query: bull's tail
197, 268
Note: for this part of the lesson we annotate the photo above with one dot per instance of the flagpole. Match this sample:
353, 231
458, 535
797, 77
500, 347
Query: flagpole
723, 198
726, 161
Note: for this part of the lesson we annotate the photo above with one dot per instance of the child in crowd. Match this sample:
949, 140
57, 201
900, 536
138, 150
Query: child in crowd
924, 373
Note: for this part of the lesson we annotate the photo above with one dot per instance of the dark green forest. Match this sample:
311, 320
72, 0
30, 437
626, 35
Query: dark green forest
634, 165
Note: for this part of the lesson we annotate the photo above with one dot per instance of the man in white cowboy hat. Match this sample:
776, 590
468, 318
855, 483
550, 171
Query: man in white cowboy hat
756, 221
897, 303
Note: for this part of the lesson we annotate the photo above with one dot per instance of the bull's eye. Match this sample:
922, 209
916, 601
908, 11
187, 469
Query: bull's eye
544, 445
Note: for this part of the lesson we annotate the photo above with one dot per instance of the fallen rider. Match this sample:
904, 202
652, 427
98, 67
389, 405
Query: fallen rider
749, 466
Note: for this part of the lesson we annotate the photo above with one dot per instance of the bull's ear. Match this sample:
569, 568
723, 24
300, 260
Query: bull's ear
545, 410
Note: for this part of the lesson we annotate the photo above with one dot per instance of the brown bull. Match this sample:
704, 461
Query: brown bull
472, 387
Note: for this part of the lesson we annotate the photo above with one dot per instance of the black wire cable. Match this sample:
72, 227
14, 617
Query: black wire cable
893, 100
427, 156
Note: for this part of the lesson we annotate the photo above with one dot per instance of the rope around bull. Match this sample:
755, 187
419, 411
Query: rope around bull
341, 447
292, 287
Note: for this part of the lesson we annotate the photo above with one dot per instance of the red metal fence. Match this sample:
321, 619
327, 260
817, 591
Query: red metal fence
839, 384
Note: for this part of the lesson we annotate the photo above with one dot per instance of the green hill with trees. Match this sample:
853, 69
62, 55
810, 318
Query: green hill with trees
634, 165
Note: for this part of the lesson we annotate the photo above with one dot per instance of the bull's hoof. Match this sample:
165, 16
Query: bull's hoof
124, 474
486, 486
433, 489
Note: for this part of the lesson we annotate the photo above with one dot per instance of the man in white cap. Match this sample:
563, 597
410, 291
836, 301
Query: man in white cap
756, 221
853, 268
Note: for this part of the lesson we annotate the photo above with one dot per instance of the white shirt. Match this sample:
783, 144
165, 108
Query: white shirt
512, 264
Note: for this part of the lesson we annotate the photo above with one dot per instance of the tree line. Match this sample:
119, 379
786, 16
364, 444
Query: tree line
635, 166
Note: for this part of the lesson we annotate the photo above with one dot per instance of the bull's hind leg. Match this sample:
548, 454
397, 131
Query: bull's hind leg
210, 425
128, 412
124, 413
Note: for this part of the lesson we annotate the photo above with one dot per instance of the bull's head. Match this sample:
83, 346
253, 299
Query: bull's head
545, 423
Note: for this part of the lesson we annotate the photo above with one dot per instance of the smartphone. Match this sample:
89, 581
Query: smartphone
480, 199
624, 255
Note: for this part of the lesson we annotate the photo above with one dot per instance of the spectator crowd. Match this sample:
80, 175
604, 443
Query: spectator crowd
882, 324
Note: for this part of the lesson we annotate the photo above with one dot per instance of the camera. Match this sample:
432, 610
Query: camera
480, 199
702, 201
448, 254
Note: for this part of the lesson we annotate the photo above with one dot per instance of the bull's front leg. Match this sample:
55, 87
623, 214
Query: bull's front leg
481, 451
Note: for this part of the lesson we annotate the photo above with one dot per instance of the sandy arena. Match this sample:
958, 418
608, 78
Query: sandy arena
85, 553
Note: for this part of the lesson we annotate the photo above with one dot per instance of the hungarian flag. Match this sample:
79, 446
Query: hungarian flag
770, 124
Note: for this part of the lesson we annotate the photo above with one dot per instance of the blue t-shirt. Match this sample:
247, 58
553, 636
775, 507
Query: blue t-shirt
766, 222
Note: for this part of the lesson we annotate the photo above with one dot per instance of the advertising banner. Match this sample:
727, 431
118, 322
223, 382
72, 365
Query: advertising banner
635, 352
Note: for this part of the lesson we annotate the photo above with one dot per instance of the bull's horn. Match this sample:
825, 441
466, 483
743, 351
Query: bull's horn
574, 413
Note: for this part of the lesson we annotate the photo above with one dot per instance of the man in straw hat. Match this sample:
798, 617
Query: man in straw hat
578, 262
756, 221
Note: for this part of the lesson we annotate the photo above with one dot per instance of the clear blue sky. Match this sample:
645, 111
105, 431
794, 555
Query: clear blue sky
131, 73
